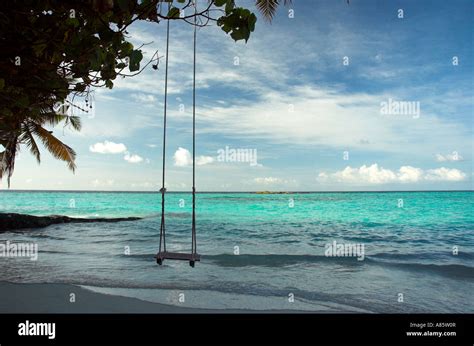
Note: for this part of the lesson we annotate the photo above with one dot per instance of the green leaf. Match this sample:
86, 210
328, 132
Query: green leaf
226, 28
109, 84
173, 12
252, 21
229, 7
126, 48
135, 57
239, 23
240, 34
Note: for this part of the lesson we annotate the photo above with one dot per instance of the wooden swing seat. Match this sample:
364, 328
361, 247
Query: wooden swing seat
180, 256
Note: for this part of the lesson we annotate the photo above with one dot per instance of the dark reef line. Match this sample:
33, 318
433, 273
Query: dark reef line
14, 221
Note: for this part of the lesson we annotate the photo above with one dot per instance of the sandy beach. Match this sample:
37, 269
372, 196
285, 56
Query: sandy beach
54, 298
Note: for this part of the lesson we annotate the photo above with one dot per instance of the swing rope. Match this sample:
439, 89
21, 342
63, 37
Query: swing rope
163, 254
163, 189
193, 246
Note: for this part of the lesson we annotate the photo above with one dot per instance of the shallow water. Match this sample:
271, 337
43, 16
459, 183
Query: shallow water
281, 241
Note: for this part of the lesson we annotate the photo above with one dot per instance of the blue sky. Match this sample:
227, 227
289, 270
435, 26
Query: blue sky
315, 123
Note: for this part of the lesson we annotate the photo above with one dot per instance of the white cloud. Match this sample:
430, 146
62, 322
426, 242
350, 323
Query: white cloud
408, 174
144, 98
374, 174
107, 147
204, 160
445, 174
320, 116
268, 180
182, 158
449, 157
370, 174
133, 158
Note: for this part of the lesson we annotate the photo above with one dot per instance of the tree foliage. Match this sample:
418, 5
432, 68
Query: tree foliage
51, 49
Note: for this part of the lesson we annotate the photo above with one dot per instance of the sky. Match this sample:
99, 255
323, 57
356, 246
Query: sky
371, 95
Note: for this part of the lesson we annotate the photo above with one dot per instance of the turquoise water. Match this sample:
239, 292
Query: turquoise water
281, 242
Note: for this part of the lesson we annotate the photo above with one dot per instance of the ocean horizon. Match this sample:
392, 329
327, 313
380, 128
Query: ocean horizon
230, 192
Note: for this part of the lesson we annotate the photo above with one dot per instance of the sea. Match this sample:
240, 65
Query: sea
345, 252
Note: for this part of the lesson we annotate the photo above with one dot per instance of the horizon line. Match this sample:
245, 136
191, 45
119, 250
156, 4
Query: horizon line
254, 192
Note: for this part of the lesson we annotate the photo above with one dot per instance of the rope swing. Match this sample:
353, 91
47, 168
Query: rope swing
162, 253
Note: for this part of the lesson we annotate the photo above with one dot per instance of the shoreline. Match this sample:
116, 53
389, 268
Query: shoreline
39, 298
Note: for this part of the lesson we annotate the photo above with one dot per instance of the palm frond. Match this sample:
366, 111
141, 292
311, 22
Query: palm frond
28, 139
49, 118
7, 163
74, 121
57, 148
27, 127
267, 8
53, 119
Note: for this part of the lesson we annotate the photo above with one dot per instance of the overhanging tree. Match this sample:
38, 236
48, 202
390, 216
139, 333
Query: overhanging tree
52, 49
